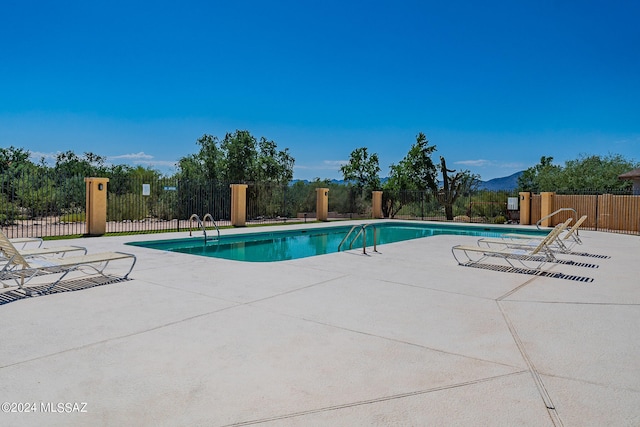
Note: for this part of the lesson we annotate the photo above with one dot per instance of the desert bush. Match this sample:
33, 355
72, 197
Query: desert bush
130, 207
499, 219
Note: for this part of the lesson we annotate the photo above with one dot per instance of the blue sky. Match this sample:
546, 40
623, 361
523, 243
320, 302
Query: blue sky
494, 85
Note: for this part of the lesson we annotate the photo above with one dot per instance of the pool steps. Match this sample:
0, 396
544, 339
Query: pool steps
201, 224
362, 230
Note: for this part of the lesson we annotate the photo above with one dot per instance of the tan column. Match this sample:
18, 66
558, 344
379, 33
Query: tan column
322, 204
96, 206
525, 208
546, 207
376, 204
238, 205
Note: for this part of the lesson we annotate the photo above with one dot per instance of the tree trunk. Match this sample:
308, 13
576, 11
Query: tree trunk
448, 211
446, 191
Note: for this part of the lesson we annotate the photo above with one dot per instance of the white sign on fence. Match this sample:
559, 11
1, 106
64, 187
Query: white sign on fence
146, 189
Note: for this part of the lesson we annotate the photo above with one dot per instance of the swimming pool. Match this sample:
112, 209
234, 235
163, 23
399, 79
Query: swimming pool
270, 246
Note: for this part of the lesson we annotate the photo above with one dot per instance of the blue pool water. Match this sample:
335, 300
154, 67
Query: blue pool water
306, 242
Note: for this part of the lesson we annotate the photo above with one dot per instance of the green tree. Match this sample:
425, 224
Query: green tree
240, 156
14, 159
38, 196
418, 166
273, 165
397, 182
14, 165
206, 164
595, 173
416, 171
70, 171
120, 179
190, 168
70, 164
362, 169
210, 157
541, 177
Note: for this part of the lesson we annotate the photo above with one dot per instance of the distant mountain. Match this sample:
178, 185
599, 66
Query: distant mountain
506, 183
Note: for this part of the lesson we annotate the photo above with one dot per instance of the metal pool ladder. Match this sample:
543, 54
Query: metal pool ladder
201, 223
362, 230
575, 216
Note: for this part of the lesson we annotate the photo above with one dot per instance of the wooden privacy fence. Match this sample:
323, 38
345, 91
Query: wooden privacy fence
605, 212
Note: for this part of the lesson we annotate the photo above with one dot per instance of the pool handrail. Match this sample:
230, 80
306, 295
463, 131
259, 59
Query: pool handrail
201, 223
204, 219
362, 230
347, 235
197, 218
575, 216
364, 238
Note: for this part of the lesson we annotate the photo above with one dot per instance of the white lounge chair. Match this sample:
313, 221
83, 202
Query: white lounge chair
19, 269
538, 255
8, 246
24, 241
564, 243
519, 241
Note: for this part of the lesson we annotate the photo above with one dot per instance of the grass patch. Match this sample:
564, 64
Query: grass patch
73, 217
174, 230
67, 237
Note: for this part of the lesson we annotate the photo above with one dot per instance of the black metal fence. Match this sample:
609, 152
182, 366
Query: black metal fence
47, 204
42, 204
268, 203
50, 205
165, 204
482, 206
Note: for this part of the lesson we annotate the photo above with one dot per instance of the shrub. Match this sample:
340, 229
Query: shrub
123, 207
499, 219
9, 212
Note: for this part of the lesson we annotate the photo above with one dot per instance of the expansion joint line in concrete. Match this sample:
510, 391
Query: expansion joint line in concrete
121, 337
371, 401
551, 409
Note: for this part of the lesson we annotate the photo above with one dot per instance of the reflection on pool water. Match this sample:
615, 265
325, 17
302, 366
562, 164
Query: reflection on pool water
306, 242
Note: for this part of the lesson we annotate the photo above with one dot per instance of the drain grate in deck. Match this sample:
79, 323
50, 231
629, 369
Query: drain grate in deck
529, 271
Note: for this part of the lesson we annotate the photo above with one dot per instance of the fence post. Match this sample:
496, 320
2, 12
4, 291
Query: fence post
238, 205
96, 206
376, 205
525, 208
322, 204
546, 207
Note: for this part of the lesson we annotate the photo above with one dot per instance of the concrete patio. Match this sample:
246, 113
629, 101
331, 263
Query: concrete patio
402, 337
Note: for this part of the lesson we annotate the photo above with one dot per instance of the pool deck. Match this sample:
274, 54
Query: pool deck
401, 337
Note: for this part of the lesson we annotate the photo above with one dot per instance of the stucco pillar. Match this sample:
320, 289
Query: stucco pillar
376, 204
322, 204
238, 205
525, 208
96, 206
546, 207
